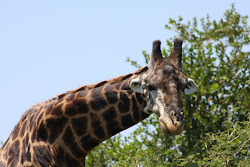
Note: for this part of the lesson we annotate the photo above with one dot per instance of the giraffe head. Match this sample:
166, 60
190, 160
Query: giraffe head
163, 85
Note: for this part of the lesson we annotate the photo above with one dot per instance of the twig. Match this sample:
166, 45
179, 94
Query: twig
242, 146
239, 134
232, 132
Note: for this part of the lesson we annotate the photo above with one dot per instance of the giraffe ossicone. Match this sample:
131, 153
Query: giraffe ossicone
61, 131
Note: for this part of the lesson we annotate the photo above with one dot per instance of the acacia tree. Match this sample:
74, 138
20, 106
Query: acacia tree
216, 55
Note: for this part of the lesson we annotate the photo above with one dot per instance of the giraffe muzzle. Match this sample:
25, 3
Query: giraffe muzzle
172, 122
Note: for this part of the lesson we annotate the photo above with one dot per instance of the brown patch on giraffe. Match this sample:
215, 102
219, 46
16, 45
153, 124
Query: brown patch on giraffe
95, 92
88, 142
70, 161
129, 92
124, 104
82, 93
80, 125
127, 121
56, 127
110, 114
97, 100
99, 132
113, 127
111, 96
42, 134
69, 140
28, 156
95, 120
139, 98
77, 106
125, 85
42, 156
57, 110
117, 86
13, 154
59, 154
136, 113
109, 87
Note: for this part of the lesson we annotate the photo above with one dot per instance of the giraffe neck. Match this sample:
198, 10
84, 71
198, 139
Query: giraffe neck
64, 130
93, 115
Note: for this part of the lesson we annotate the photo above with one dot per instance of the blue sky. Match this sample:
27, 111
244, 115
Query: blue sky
49, 47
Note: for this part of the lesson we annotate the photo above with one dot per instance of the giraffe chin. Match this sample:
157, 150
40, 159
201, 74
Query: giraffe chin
170, 126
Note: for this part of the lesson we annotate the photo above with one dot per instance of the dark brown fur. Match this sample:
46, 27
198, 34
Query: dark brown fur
71, 113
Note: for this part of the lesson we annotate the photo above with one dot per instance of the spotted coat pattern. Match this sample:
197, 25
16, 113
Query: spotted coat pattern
61, 131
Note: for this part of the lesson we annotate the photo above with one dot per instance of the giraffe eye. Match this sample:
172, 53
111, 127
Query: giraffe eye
150, 87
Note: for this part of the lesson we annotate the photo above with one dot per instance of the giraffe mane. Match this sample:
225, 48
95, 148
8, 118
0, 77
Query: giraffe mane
85, 87
102, 83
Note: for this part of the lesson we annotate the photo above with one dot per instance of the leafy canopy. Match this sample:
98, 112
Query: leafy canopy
216, 55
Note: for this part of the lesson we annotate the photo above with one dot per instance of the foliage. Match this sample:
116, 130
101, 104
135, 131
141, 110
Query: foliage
216, 56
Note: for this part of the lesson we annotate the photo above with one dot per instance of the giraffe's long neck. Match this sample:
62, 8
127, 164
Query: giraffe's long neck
90, 116
61, 132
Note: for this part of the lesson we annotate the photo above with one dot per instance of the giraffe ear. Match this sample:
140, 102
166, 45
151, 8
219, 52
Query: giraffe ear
135, 85
191, 87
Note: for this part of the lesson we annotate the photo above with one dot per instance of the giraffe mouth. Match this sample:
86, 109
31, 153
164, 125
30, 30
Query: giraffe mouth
172, 122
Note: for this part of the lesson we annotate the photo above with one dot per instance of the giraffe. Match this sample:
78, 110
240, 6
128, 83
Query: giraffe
61, 131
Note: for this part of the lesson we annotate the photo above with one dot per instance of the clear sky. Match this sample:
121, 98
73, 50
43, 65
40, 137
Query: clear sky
48, 47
